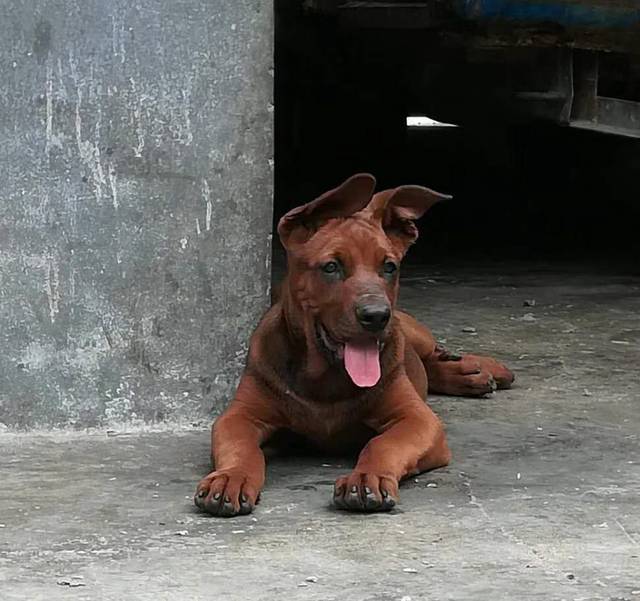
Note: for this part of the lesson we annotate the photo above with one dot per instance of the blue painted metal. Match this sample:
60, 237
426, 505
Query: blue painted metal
600, 14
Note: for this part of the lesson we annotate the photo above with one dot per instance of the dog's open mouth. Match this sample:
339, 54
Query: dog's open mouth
361, 357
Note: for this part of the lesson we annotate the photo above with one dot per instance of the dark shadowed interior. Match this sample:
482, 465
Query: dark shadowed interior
524, 189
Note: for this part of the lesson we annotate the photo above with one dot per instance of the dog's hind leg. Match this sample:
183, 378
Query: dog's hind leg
447, 373
417, 335
465, 375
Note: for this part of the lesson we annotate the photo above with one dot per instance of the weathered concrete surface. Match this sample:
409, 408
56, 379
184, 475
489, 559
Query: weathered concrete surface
135, 208
541, 501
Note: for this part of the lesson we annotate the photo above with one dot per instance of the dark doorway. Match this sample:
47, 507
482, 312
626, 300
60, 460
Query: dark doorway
523, 189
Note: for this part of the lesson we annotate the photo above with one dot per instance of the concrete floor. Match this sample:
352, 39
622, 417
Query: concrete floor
540, 502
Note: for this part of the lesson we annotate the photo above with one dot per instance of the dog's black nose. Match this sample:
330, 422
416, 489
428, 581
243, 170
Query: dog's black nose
373, 317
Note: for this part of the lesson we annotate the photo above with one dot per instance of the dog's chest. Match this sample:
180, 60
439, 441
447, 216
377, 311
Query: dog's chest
328, 409
328, 422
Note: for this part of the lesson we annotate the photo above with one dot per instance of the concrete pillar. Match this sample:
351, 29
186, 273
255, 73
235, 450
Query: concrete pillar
135, 206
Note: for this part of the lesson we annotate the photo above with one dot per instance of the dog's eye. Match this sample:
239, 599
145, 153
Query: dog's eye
389, 268
331, 267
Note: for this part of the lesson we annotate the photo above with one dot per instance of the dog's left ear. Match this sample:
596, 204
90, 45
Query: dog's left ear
398, 208
350, 197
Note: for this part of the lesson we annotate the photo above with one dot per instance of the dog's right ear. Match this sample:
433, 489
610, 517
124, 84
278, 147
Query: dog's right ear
299, 224
398, 208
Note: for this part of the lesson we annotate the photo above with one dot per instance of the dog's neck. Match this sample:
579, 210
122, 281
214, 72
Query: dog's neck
300, 330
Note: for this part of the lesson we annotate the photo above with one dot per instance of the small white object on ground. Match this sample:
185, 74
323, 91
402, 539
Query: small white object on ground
72, 581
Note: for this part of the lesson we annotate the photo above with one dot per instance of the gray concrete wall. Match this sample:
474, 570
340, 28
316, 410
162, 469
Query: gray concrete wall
135, 206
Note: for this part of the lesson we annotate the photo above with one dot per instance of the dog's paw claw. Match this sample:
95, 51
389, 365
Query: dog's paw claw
471, 376
365, 492
225, 494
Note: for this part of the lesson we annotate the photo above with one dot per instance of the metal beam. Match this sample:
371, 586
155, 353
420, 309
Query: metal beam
391, 15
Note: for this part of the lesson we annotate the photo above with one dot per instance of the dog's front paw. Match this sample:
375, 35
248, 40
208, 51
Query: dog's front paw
226, 493
365, 491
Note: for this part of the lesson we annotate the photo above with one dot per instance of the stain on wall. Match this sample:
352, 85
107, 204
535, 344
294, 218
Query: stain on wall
135, 206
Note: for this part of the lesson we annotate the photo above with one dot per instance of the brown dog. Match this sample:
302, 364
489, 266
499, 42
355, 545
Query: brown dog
335, 362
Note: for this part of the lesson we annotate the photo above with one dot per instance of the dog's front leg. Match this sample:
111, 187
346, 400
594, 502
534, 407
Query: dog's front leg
233, 488
411, 440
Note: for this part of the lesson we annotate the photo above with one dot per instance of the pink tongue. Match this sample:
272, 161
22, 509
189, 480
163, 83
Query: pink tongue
362, 362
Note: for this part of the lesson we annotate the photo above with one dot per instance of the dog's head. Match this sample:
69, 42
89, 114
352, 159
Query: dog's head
344, 251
